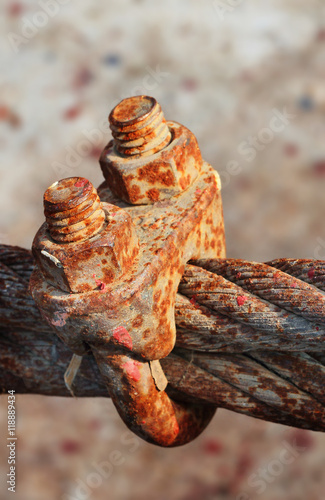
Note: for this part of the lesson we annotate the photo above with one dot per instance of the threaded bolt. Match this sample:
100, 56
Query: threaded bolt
73, 210
139, 127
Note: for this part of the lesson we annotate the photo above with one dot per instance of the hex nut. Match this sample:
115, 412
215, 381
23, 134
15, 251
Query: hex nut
144, 180
82, 266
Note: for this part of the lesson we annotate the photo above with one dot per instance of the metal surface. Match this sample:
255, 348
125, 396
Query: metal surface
266, 323
138, 176
84, 244
284, 387
124, 276
139, 127
109, 265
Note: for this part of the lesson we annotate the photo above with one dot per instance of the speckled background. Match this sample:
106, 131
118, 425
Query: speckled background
223, 69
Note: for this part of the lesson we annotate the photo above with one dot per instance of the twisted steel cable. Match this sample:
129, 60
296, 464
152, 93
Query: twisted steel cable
249, 339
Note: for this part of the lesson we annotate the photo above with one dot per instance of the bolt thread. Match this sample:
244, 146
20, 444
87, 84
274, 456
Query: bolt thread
139, 127
73, 210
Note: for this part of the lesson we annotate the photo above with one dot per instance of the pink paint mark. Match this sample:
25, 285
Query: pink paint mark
302, 439
4, 113
72, 113
311, 273
122, 336
59, 319
96, 151
238, 275
198, 191
291, 149
132, 369
190, 84
95, 424
94, 275
241, 300
193, 300
321, 35
294, 284
101, 285
83, 77
319, 168
15, 9
69, 447
213, 447
81, 182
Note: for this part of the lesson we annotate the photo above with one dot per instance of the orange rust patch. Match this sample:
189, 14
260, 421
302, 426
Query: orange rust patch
137, 322
134, 193
153, 174
153, 194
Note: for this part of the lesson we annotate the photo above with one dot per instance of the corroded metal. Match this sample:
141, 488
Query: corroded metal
127, 317
102, 243
309, 270
145, 178
272, 325
272, 285
284, 387
139, 127
109, 264
73, 210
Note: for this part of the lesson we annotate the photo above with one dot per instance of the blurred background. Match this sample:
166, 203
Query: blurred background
247, 77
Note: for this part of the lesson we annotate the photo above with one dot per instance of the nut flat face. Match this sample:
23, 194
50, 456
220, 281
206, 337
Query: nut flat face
146, 180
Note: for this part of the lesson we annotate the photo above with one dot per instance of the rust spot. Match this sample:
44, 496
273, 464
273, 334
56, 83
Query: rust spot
153, 174
153, 194
134, 193
137, 322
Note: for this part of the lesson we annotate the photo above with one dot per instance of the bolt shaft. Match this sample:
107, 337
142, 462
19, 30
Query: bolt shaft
139, 127
73, 210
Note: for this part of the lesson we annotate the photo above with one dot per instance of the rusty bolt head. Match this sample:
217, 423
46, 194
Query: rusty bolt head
140, 178
94, 261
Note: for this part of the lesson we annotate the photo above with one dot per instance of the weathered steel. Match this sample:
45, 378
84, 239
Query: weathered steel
108, 267
263, 384
277, 287
309, 270
138, 176
272, 325
32, 363
78, 251
139, 127
128, 319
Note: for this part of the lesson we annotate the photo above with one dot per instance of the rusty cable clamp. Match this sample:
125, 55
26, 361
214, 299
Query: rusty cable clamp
109, 265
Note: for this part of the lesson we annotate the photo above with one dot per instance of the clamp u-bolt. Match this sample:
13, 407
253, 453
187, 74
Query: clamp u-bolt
109, 263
